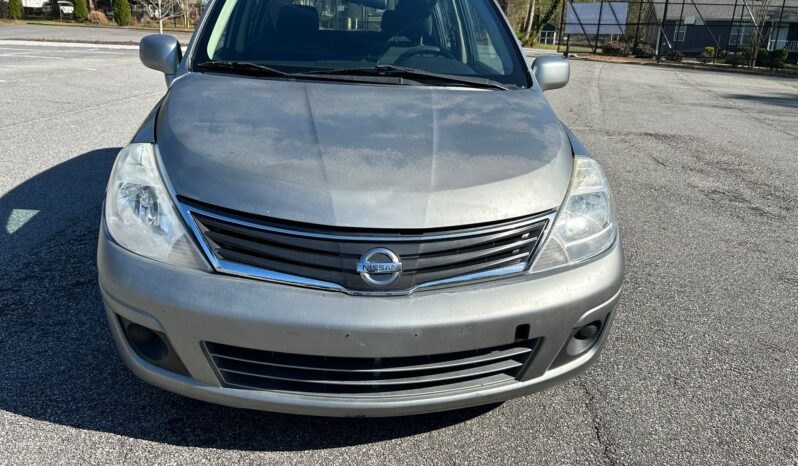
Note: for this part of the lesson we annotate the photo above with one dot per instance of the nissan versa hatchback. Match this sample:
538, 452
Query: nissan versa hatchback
356, 208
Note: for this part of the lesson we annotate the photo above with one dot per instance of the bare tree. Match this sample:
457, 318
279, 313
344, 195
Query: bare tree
530, 19
160, 10
758, 11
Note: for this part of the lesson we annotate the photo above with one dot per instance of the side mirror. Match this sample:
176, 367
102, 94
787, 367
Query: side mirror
162, 53
551, 72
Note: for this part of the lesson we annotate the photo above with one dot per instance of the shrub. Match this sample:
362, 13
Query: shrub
706, 55
736, 59
674, 55
723, 54
644, 50
15, 9
616, 48
122, 12
762, 57
777, 58
97, 17
81, 12
744, 51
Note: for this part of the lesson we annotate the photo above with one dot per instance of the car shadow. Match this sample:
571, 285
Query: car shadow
780, 100
59, 361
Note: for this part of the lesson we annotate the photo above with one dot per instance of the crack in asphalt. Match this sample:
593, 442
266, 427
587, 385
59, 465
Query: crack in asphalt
599, 429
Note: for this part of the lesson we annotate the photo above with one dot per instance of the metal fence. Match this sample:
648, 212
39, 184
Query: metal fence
687, 26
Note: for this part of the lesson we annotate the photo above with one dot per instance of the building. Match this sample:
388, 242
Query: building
724, 24
548, 34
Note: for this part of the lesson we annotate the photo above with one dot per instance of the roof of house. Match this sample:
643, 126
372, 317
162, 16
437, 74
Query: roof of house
699, 11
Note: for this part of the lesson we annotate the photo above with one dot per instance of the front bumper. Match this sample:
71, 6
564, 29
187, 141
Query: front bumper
192, 306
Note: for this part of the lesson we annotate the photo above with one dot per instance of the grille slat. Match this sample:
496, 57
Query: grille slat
428, 276
292, 268
297, 376
274, 251
266, 370
330, 255
426, 262
382, 368
463, 385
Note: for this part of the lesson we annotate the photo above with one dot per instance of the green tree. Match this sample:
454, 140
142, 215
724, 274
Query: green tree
15, 9
81, 12
122, 12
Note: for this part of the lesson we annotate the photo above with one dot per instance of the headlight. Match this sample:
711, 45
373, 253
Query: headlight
586, 224
140, 214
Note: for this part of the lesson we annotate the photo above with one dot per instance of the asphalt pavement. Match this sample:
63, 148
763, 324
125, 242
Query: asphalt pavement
66, 33
701, 366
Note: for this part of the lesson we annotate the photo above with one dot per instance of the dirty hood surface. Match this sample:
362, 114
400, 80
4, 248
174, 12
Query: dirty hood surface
362, 155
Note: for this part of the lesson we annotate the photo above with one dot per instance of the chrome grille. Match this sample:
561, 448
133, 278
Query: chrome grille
391, 376
327, 257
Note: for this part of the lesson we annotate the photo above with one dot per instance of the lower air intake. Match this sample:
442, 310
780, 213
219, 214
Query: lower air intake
392, 376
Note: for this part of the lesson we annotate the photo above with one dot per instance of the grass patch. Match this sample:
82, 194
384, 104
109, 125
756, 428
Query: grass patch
543, 46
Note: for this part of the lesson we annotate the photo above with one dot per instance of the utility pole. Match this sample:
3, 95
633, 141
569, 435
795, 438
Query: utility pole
598, 26
562, 24
662, 31
778, 28
731, 26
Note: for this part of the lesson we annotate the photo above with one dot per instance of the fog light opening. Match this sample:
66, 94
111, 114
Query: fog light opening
147, 343
584, 338
589, 331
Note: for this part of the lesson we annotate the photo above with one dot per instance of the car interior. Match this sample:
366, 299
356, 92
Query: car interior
408, 33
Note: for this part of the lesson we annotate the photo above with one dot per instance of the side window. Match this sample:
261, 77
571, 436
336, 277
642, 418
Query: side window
483, 37
448, 27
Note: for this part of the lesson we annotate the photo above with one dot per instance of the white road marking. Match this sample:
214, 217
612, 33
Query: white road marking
93, 51
82, 45
30, 56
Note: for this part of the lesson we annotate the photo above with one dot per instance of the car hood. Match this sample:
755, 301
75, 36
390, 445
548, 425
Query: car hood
368, 156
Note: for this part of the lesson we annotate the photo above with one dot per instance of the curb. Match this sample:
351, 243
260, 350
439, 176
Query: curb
108, 26
781, 74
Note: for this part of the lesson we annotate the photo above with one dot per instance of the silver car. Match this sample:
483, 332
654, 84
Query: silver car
356, 208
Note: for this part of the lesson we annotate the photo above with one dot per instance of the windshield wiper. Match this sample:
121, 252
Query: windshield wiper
244, 67
412, 73
263, 70
379, 71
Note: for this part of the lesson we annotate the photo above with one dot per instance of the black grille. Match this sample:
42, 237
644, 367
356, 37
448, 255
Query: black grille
331, 255
395, 376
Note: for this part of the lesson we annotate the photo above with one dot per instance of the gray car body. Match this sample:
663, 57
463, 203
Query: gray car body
357, 156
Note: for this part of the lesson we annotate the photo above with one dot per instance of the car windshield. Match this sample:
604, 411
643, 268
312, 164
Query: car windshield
454, 38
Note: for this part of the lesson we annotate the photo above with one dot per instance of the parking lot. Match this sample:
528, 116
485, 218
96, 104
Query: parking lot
701, 365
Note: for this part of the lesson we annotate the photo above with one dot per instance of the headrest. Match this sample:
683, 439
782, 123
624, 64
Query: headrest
297, 22
411, 18
389, 22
